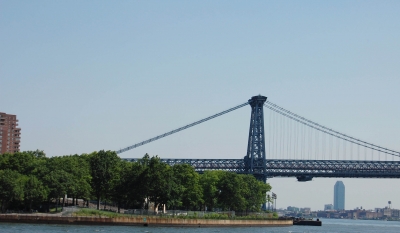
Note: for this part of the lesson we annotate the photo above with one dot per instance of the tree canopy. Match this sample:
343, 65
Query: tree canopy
30, 180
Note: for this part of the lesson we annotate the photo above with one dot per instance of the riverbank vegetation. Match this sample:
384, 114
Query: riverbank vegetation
31, 181
188, 215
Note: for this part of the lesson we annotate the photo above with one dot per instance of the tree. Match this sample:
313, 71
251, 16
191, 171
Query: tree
230, 188
159, 174
209, 181
58, 183
137, 188
120, 193
84, 178
79, 169
34, 191
11, 187
104, 172
187, 182
21, 162
155, 180
254, 192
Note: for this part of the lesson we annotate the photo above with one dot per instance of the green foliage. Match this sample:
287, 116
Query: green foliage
216, 216
208, 182
104, 167
97, 213
253, 192
24, 163
11, 187
135, 187
29, 180
157, 177
231, 193
187, 185
120, 192
34, 191
55, 210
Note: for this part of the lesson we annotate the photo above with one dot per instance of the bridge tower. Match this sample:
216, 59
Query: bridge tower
255, 160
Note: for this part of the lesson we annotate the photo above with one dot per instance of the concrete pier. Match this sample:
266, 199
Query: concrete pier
141, 221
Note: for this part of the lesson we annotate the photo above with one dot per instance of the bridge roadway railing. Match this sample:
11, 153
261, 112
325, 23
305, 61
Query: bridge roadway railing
299, 168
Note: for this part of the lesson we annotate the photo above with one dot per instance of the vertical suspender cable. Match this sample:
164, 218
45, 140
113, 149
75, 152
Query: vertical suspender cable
323, 128
290, 148
309, 143
330, 147
282, 134
302, 140
276, 135
366, 153
323, 146
315, 143
294, 140
269, 134
337, 148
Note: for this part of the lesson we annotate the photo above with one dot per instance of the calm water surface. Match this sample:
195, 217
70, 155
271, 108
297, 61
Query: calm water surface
328, 225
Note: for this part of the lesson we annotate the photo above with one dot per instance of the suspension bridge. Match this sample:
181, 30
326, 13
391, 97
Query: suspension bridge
304, 148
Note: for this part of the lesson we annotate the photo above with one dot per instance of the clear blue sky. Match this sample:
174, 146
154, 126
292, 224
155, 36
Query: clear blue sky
89, 75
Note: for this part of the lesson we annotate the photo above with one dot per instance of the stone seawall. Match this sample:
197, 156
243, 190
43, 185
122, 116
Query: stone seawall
141, 221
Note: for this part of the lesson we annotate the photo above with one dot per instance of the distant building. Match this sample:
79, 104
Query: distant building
306, 210
10, 135
293, 209
387, 212
328, 207
339, 196
379, 213
395, 213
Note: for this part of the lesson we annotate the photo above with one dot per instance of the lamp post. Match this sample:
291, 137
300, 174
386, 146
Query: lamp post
274, 197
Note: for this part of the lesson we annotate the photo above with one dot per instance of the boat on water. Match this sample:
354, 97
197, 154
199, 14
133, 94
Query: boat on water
307, 222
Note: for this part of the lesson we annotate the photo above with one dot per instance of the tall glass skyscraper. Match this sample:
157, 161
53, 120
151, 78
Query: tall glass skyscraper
339, 198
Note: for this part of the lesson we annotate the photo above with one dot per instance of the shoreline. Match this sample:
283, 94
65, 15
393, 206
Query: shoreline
141, 221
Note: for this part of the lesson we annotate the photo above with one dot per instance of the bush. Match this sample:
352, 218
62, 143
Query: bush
97, 213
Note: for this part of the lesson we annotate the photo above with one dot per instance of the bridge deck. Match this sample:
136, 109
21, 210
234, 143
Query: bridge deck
300, 168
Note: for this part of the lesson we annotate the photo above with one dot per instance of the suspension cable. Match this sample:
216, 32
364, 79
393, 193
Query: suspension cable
180, 129
330, 130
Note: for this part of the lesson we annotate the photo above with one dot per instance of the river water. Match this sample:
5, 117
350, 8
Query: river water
328, 225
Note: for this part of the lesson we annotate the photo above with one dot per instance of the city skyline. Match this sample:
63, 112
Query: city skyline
84, 76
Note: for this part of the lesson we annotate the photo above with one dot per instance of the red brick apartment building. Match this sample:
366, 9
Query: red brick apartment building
10, 135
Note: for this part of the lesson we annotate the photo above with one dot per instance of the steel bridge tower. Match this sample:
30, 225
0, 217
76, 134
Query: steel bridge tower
255, 160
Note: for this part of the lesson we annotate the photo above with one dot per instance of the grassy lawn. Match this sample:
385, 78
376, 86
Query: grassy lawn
98, 213
102, 213
53, 210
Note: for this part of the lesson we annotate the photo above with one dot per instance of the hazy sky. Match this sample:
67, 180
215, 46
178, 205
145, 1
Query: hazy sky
89, 75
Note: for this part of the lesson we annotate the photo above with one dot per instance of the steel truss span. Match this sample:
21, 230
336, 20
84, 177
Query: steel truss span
333, 168
201, 165
303, 170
